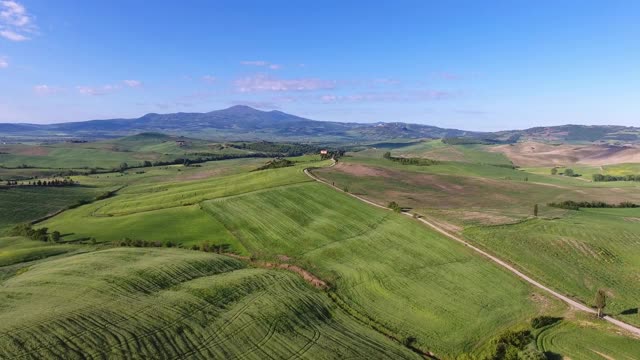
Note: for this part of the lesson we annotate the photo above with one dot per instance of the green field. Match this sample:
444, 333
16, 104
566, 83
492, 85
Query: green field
577, 254
408, 290
586, 339
165, 303
391, 279
23, 204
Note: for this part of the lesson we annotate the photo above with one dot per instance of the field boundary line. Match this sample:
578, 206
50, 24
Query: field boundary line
572, 303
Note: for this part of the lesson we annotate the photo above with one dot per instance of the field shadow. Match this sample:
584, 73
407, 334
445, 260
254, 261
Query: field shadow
629, 311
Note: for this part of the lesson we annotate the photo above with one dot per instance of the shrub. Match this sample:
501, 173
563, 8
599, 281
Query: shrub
542, 321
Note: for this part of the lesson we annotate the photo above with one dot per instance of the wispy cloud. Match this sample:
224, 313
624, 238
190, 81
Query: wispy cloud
4, 63
16, 24
44, 89
262, 82
261, 63
97, 91
413, 96
209, 79
133, 83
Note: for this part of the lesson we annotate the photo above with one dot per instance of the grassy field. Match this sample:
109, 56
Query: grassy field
465, 193
588, 339
24, 204
108, 154
386, 271
166, 303
436, 149
409, 290
578, 254
15, 250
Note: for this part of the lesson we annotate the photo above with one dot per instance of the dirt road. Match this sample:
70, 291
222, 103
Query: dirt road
574, 304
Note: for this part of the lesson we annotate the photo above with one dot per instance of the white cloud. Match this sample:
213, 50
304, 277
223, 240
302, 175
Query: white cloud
262, 63
132, 83
4, 63
16, 24
263, 82
97, 91
209, 79
44, 89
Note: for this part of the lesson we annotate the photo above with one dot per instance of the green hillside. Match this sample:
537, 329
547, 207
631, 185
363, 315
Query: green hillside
174, 304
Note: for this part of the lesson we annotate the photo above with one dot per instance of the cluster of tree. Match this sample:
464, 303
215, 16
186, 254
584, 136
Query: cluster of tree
576, 205
567, 172
40, 234
205, 246
276, 164
332, 154
394, 206
542, 321
278, 149
411, 161
54, 182
600, 177
514, 345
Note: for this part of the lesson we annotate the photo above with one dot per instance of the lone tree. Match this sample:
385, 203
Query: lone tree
535, 210
601, 301
554, 171
568, 172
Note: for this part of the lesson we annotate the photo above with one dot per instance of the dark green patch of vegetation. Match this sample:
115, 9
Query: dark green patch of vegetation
514, 345
411, 161
278, 149
542, 321
394, 206
576, 205
600, 177
462, 140
40, 234
276, 164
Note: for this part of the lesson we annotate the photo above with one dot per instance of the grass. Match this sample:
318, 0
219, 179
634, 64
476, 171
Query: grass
382, 264
186, 225
166, 303
464, 193
436, 149
591, 249
15, 250
24, 204
586, 339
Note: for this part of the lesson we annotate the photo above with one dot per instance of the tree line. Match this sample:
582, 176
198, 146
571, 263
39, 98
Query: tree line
601, 177
54, 182
41, 234
576, 205
411, 161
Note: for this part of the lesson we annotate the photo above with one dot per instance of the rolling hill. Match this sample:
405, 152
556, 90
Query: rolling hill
245, 123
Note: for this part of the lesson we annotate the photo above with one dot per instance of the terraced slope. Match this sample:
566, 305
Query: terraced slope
591, 249
402, 276
174, 304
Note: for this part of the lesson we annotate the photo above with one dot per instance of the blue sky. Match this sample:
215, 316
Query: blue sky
478, 65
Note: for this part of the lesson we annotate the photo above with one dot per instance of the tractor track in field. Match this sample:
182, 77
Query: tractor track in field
572, 303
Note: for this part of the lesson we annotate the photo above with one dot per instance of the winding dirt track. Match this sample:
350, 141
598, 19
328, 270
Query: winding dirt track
572, 303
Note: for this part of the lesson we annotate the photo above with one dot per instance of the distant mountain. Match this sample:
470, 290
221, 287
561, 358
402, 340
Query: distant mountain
246, 123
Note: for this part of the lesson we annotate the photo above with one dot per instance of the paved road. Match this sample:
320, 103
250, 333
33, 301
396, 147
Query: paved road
574, 304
